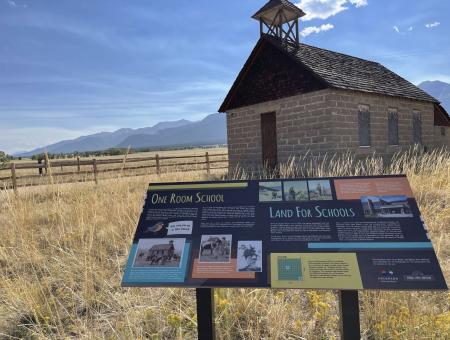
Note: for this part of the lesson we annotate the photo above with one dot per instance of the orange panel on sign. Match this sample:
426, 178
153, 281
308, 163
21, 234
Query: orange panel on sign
211, 270
348, 189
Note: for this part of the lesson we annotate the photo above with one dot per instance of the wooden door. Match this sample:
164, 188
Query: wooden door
269, 140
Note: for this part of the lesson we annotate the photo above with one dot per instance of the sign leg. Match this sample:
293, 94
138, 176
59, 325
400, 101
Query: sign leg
349, 313
205, 313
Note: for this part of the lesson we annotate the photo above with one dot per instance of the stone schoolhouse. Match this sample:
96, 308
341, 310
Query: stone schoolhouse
291, 98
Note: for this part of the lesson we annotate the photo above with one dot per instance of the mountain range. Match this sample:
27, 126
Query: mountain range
208, 131
439, 90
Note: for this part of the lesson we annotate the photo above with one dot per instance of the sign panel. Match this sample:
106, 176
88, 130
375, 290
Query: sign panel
323, 233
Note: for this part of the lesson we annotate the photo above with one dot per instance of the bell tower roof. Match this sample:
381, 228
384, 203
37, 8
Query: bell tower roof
270, 12
280, 19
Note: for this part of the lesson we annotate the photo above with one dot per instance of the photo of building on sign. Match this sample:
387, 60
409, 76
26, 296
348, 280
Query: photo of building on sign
295, 190
386, 206
270, 192
159, 252
320, 190
215, 248
249, 256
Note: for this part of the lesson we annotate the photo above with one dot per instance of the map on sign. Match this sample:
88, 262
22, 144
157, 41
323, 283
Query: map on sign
330, 233
289, 269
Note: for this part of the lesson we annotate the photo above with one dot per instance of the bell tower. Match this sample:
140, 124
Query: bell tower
279, 18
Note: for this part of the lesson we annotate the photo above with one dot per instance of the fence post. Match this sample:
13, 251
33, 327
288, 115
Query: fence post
208, 165
158, 169
13, 177
46, 165
124, 163
78, 164
48, 168
94, 166
40, 169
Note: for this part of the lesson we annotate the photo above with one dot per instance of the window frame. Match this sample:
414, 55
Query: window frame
393, 113
417, 126
364, 118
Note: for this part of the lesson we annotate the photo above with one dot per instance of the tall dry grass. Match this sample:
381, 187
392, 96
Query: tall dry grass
63, 249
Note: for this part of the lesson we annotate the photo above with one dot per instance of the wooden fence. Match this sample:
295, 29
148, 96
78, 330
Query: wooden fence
77, 167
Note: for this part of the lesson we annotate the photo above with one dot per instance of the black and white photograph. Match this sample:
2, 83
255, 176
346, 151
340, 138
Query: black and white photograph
249, 256
270, 191
320, 190
386, 206
295, 190
215, 248
159, 252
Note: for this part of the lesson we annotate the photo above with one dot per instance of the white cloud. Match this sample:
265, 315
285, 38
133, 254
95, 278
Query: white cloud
358, 3
402, 31
433, 24
15, 4
314, 29
323, 9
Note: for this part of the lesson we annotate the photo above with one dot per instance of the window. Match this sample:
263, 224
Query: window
442, 131
417, 128
364, 125
393, 127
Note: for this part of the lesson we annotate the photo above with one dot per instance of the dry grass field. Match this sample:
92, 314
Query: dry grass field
63, 249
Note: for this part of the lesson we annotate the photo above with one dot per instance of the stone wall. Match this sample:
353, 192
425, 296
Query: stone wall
325, 121
303, 122
344, 107
442, 136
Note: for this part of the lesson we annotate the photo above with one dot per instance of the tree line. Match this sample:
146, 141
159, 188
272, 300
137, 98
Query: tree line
111, 152
4, 157
61, 155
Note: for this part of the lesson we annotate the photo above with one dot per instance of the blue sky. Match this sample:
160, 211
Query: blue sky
74, 67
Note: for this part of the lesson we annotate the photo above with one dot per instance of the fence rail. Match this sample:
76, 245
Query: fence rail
160, 164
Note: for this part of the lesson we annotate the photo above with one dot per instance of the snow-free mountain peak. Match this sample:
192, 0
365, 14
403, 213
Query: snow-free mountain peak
210, 130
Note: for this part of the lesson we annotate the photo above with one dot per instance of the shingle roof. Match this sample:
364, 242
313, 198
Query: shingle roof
274, 3
346, 72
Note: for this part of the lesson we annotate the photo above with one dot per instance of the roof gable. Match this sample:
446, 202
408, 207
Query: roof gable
441, 117
269, 74
306, 68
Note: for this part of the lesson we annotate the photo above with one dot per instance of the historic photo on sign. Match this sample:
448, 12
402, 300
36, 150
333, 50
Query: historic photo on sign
386, 206
249, 256
159, 252
320, 190
215, 248
295, 190
270, 191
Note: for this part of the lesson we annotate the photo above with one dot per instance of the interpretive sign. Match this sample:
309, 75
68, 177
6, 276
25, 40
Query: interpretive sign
330, 233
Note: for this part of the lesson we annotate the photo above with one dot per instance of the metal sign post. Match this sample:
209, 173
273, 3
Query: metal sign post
205, 313
349, 315
348, 310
